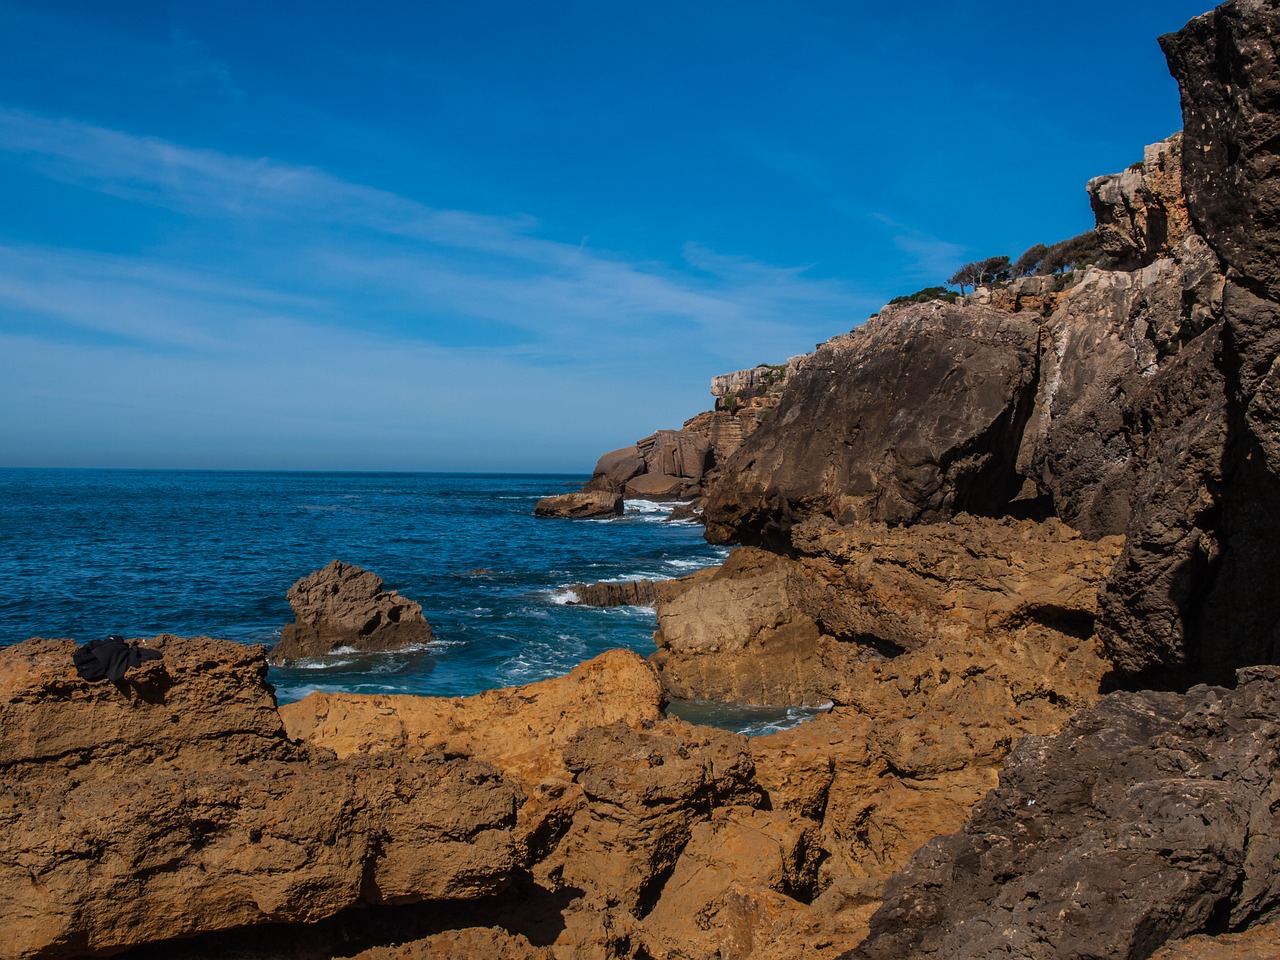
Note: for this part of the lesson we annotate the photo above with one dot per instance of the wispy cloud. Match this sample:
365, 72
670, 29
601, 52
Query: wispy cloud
314, 294
932, 257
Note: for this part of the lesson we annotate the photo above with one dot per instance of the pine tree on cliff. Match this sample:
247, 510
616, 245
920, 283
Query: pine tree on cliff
980, 272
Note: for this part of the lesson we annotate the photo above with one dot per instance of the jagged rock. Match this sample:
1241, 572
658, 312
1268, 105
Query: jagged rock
1108, 339
912, 417
575, 506
739, 854
1150, 816
344, 605
176, 805
614, 469
520, 730
676, 453
469, 943
754, 381
1141, 213
646, 789
727, 431
1225, 63
735, 634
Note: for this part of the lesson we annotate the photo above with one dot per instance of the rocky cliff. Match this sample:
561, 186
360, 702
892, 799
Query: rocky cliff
963, 527
1142, 404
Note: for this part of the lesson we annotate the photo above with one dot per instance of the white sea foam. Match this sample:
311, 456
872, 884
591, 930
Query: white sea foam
563, 597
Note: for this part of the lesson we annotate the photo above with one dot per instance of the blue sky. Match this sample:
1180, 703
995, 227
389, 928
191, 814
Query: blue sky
506, 236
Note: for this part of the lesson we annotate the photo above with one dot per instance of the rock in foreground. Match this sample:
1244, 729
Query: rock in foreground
175, 805
343, 605
1150, 816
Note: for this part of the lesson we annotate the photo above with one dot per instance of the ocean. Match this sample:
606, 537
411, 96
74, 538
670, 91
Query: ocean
89, 553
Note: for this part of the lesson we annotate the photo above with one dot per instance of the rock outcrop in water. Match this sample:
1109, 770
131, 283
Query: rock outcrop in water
343, 605
576, 506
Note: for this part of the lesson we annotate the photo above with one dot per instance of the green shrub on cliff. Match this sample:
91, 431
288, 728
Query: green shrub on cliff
927, 294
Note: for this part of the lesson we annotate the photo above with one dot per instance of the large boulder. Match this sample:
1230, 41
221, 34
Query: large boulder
914, 416
174, 804
342, 605
1150, 817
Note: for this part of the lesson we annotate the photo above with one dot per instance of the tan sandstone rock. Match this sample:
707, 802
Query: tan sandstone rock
175, 804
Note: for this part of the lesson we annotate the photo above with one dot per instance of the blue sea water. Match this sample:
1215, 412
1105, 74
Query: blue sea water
89, 553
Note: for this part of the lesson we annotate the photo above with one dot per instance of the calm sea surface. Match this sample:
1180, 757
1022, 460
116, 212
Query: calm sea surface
88, 553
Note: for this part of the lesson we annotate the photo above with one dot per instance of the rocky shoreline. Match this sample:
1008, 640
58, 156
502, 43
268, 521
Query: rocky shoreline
1023, 546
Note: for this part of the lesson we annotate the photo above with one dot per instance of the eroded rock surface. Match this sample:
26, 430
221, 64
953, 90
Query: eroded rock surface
1142, 213
1150, 815
769, 629
176, 805
345, 605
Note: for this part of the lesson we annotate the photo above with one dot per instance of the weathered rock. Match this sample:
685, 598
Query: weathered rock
646, 789
739, 853
676, 453
769, 629
736, 635
727, 431
614, 469
1109, 337
623, 593
521, 730
914, 416
1225, 63
469, 943
176, 805
1149, 816
345, 605
656, 486
1141, 213
574, 506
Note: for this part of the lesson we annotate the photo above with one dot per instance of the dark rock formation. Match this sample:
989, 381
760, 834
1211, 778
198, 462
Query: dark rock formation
625, 593
576, 506
343, 605
176, 805
912, 417
1151, 816
1192, 597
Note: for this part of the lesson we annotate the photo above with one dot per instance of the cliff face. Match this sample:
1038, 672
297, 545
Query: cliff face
1141, 402
912, 417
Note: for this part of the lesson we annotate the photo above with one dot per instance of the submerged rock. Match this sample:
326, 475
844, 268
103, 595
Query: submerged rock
343, 605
